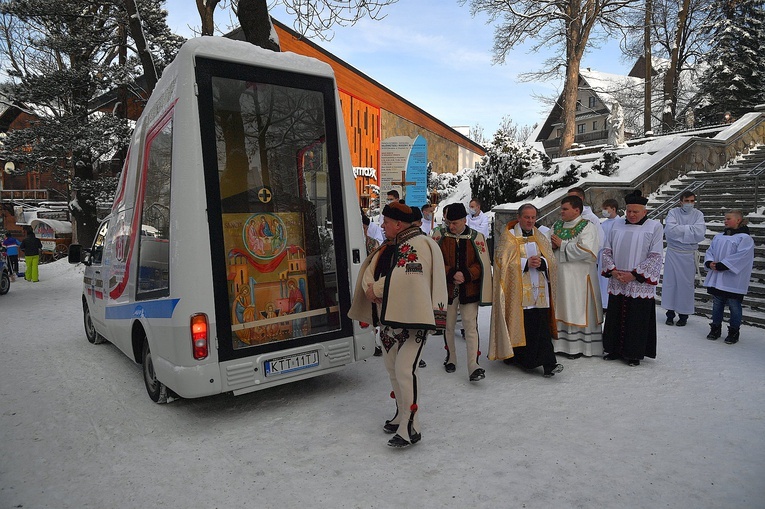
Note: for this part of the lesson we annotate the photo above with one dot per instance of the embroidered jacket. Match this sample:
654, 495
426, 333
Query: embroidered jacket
467, 253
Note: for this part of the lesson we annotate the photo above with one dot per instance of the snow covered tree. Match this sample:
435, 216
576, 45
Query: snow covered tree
565, 24
60, 62
735, 79
504, 168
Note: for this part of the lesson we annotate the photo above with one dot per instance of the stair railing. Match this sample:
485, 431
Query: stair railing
756, 172
662, 209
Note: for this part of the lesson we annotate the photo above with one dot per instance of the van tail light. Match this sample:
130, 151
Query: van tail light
200, 343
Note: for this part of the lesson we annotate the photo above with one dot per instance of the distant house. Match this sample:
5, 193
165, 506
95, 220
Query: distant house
598, 94
19, 187
597, 97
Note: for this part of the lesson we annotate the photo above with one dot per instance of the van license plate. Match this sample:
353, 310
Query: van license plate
292, 363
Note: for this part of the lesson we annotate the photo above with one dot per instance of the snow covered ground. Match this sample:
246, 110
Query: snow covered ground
77, 430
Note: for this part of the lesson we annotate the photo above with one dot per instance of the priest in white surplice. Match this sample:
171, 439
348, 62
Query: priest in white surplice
684, 228
632, 259
578, 308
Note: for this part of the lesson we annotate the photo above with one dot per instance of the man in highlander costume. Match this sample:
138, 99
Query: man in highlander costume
402, 288
468, 279
525, 281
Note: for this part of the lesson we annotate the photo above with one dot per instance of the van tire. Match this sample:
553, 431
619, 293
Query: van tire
156, 389
90, 329
5, 283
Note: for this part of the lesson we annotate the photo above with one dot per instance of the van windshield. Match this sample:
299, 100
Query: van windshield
276, 210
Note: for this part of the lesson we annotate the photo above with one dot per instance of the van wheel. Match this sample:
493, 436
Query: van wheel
90, 329
5, 283
156, 389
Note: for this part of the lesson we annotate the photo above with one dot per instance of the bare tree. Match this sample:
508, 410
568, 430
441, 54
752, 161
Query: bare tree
565, 24
477, 134
669, 33
648, 69
312, 18
206, 9
511, 130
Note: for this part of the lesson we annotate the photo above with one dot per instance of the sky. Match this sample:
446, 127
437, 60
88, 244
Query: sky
434, 54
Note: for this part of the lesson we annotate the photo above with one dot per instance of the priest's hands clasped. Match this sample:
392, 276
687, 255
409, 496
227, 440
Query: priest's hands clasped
623, 276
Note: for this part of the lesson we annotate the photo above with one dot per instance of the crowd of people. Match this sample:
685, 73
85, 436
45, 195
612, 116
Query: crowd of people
583, 288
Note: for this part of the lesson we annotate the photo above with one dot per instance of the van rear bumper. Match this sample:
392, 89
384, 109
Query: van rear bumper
249, 373
189, 381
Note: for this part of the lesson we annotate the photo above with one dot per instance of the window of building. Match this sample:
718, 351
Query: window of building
595, 125
592, 102
559, 133
578, 105
579, 128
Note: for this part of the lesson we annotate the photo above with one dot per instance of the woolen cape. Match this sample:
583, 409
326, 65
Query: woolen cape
414, 290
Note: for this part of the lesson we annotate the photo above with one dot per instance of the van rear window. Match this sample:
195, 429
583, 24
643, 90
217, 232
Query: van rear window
276, 210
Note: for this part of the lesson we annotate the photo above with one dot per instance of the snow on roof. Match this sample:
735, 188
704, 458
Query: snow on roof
58, 226
606, 85
222, 48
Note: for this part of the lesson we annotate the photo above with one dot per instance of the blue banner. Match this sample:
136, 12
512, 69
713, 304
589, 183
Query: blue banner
417, 173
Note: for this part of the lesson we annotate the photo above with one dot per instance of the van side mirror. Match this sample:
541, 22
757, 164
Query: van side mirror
78, 255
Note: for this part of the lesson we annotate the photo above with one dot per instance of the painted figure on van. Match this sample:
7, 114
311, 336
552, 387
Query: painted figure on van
265, 236
402, 288
296, 305
275, 276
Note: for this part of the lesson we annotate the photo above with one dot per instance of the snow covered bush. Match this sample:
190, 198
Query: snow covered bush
505, 169
543, 183
446, 183
607, 164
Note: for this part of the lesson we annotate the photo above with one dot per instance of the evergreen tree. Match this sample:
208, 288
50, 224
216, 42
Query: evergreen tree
61, 60
735, 80
503, 170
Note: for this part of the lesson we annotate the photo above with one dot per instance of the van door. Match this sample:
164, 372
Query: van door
95, 279
276, 207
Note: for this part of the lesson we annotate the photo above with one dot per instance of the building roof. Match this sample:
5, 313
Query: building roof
606, 85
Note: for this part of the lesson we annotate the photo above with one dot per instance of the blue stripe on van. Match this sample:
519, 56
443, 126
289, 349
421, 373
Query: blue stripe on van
147, 309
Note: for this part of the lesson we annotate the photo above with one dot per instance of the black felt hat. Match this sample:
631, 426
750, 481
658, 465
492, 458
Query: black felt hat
636, 198
456, 211
401, 212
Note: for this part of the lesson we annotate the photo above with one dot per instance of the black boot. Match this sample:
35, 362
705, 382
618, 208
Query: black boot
716, 331
732, 336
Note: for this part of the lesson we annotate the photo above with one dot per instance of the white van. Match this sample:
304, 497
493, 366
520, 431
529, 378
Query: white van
235, 238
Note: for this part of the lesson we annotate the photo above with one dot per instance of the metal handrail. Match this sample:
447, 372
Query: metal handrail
670, 203
756, 172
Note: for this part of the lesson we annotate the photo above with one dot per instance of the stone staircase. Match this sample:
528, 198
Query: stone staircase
739, 186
